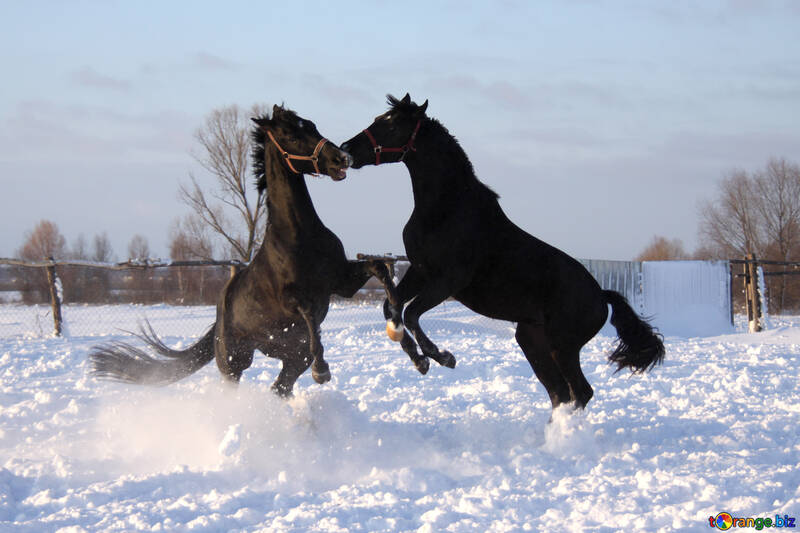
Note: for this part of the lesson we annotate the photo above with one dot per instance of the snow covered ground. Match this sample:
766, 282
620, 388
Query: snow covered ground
381, 448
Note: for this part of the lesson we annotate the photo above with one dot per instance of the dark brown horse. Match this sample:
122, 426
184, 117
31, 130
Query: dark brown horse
277, 303
461, 244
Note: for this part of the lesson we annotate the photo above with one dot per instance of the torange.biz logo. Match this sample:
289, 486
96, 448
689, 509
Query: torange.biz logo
726, 521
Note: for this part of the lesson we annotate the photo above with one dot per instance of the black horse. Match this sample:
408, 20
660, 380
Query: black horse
460, 243
277, 303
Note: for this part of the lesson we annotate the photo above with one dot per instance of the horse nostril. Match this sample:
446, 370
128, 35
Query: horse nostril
343, 159
345, 147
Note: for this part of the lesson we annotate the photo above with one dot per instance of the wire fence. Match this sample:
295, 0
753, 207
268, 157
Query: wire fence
177, 298
76, 298
189, 321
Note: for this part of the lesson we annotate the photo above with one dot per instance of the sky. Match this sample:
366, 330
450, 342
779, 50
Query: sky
601, 124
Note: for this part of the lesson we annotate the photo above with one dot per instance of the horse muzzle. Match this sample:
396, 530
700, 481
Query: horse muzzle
337, 170
337, 173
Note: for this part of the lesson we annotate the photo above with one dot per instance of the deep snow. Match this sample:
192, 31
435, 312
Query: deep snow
381, 448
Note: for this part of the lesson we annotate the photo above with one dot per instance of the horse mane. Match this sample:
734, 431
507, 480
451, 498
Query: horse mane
398, 105
450, 144
258, 152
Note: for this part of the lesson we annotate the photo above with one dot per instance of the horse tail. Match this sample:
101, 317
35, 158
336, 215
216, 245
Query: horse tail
119, 361
640, 347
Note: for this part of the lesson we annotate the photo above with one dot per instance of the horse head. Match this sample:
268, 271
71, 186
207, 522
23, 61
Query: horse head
298, 144
390, 136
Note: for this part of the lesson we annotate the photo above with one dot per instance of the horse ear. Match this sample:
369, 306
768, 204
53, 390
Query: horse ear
276, 110
406, 99
421, 109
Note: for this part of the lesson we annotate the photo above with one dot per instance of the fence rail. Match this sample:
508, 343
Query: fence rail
66, 294
127, 265
69, 292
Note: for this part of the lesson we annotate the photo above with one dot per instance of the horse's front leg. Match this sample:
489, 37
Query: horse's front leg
407, 289
319, 367
431, 295
392, 307
357, 274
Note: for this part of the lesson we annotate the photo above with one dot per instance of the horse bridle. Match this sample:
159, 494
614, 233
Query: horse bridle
402, 149
314, 157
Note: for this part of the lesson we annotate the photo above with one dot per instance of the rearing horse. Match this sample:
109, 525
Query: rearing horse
461, 244
277, 303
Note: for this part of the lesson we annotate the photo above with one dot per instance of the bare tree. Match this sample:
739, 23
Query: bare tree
44, 242
705, 252
79, 283
79, 249
777, 191
100, 280
233, 215
138, 248
190, 239
778, 195
103, 253
758, 213
139, 281
730, 224
663, 249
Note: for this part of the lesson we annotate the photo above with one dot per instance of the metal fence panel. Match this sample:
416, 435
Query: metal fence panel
625, 277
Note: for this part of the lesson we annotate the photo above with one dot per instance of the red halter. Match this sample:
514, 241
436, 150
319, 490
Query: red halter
288, 157
403, 149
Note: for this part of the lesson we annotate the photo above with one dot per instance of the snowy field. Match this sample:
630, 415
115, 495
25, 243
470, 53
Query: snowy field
381, 448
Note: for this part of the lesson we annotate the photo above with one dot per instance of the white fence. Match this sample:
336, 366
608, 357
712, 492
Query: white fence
680, 297
685, 298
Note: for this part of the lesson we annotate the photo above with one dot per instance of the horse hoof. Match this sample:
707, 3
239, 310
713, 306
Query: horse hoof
423, 364
282, 392
395, 333
321, 377
447, 359
320, 371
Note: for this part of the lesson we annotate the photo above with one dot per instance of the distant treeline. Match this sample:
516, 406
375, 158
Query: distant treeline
172, 283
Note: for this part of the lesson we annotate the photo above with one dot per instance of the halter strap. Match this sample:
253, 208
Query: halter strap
314, 157
403, 149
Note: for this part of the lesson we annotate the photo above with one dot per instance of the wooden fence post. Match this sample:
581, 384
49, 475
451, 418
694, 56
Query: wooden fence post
55, 299
752, 294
